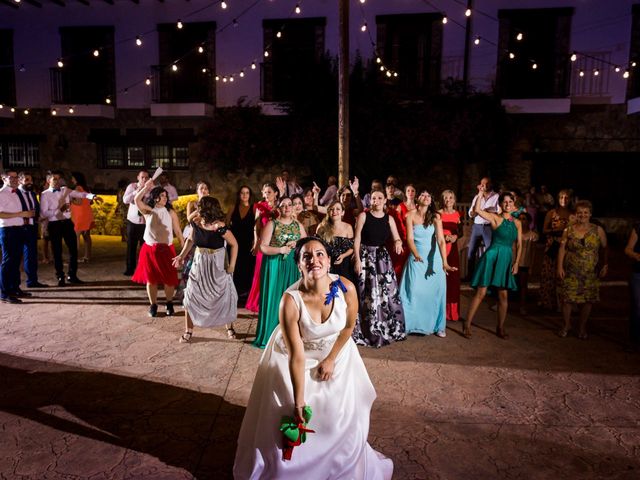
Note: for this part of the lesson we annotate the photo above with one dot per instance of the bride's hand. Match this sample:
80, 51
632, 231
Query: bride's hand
298, 414
325, 369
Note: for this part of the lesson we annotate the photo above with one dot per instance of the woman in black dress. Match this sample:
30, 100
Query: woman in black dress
240, 221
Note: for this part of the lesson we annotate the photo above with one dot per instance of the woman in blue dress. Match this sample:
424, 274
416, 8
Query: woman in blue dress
423, 288
497, 267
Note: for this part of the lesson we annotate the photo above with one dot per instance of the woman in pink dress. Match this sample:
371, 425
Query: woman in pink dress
452, 229
263, 212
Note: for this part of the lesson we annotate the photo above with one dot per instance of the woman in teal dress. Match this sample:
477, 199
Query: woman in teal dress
497, 267
423, 288
278, 271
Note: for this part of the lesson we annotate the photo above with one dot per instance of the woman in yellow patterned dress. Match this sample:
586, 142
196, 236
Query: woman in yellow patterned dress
579, 267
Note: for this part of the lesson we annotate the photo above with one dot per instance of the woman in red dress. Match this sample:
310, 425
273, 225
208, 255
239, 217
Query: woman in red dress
398, 210
452, 229
264, 211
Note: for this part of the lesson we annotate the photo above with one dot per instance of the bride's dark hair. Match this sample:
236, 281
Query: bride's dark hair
303, 241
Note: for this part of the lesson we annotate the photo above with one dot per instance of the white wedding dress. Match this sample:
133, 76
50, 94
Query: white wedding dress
341, 407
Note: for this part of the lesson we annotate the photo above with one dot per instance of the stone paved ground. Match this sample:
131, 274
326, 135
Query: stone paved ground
92, 388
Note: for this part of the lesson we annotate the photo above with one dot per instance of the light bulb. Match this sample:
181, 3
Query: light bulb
512, 55
253, 65
625, 74
200, 49
231, 78
388, 73
204, 70
96, 53
147, 81
395, 74
467, 12
138, 41
26, 111
534, 66
633, 64
362, 1
477, 41
108, 101
60, 63
574, 57
617, 69
445, 20
596, 72
363, 28
297, 9
174, 67
13, 110
378, 60
224, 79
1, 106
241, 73
279, 34
266, 53
519, 36
71, 110
54, 112
581, 73
217, 78
179, 24
382, 68
223, 4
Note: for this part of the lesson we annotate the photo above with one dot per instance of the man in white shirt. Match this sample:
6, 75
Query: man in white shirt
291, 186
135, 221
172, 193
30, 250
54, 206
14, 214
481, 228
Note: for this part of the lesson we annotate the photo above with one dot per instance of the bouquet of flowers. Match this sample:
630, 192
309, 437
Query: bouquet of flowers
294, 433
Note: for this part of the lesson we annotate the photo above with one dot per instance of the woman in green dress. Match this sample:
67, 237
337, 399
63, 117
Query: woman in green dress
279, 270
497, 267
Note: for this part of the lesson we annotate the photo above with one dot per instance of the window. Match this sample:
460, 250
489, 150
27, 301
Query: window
143, 148
533, 53
7, 72
192, 49
633, 84
411, 45
295, 57
20, 153
85, 78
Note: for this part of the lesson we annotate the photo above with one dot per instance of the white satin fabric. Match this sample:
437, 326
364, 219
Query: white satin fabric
341, 408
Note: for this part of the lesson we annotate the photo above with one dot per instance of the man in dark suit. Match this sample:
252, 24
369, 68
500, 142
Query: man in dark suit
30, 250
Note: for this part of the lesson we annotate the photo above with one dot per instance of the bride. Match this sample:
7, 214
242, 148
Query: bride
311, 360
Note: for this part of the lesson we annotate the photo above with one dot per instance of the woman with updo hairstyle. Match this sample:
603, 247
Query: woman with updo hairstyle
582, 261
312, 362
555, 221
210, 298
155, 266
241, 222
264, 212
339, 236
453, 231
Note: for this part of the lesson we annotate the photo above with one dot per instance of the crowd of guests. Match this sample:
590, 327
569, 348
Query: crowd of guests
399, 246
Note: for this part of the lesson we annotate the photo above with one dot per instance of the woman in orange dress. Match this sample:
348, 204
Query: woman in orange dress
452, 229
82, 215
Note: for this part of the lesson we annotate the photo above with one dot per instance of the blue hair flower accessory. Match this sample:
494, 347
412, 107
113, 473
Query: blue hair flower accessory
336, 286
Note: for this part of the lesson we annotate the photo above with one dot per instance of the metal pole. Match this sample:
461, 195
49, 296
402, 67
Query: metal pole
467, 50
343, 94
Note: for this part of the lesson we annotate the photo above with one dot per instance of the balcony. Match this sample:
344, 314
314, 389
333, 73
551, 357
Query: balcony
187, 92
75, 95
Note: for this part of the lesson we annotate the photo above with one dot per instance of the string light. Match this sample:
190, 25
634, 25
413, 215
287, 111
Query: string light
581, 73
519, 37
96, 53
1, 106
596, 72
204, 70
253, 65
467, 12
231, 78
174, 67
395, 74
477, 41
13, 110
179, 25
633, 64
362, 1
60, 63
200, 49
378, 60
534, 66
279, 34
241, 74
388, 73
444, 20
298, 10
382, 68
266, 53
107, 101
26, 111
574, 57
625, 74
54, 112
138, 41
616, 69
224, 79
223, 4
147, 81
363, 28
71, 110
17, 1
512, 55
217, 78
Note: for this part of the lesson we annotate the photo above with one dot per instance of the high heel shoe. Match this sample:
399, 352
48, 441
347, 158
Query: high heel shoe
501, 333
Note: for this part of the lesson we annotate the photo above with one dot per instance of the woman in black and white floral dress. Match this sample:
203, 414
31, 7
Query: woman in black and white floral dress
381, 319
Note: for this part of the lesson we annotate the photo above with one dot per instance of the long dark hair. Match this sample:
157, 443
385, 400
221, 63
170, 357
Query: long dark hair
81, 181
431, 214
210, 210
154, 195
